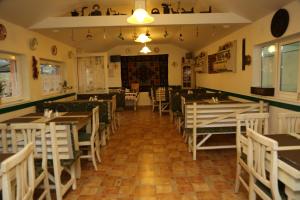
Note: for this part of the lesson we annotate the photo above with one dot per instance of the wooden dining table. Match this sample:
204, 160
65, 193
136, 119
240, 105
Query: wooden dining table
77, 120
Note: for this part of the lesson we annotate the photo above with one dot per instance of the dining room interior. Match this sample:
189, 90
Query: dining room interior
150, 99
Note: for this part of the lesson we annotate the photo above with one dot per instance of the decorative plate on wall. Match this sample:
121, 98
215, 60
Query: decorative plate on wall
280, 22
3, 32
33, 44
70, 54
156, 49
54, 50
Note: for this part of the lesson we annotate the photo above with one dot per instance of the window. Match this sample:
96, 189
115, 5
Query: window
267, 63
289, 63
9, 77
280, 63
91, 73
52, 77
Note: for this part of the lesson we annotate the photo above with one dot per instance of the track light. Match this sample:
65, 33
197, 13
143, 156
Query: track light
181, 39
104, 34
120, 36
89, 36
166, 34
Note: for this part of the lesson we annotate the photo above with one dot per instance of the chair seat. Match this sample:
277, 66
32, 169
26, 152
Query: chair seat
214, 129
267, 190
82, 136
64, 163
69, 162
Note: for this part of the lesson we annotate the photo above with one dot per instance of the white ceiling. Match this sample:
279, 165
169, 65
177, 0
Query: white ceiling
28, 12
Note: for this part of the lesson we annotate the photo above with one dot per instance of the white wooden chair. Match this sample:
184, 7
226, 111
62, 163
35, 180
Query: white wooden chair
113, 113
154, 102
18, 171
289, 123
163, 102
4, 138
91, 141
257, 122
131, 99
116, 117
262, 152
25, 133
63, 156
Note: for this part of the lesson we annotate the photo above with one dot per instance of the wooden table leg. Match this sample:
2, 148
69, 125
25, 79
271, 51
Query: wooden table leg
76, 145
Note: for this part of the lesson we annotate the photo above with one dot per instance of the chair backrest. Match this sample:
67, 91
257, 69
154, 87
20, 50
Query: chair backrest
289, 123
4, 138
255, 121
262, 152
25, 133
182, 105
114, 105
218, 114
22, 166
135, 87
95, 123
59, 142
160, 94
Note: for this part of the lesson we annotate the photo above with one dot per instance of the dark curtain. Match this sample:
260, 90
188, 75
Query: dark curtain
148, 71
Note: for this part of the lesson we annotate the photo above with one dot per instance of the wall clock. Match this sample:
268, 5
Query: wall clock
33, 44
3, 32
280, 22
54, 50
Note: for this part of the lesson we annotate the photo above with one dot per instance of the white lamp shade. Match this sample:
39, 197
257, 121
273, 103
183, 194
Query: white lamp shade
143, 38
145, 50
140, 16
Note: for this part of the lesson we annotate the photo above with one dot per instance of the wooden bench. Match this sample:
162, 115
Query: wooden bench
208, 119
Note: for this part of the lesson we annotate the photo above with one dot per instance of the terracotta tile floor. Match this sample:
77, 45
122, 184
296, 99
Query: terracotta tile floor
147, 159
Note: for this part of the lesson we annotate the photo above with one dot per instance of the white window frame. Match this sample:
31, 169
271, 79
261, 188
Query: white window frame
20, 81
279, 93
274, 78
62, 72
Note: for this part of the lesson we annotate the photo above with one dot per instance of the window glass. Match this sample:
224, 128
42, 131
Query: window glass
91, 73
9, 76
52, 77
289, 67
267, 66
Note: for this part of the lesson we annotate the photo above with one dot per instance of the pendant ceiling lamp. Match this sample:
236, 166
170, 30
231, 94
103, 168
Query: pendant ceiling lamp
140, 15
143, 38
145, 50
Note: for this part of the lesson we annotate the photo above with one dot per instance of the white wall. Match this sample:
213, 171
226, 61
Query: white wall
256, 33
17, 42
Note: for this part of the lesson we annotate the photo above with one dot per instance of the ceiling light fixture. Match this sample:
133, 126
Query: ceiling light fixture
140, 15
145, 50
143, 38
